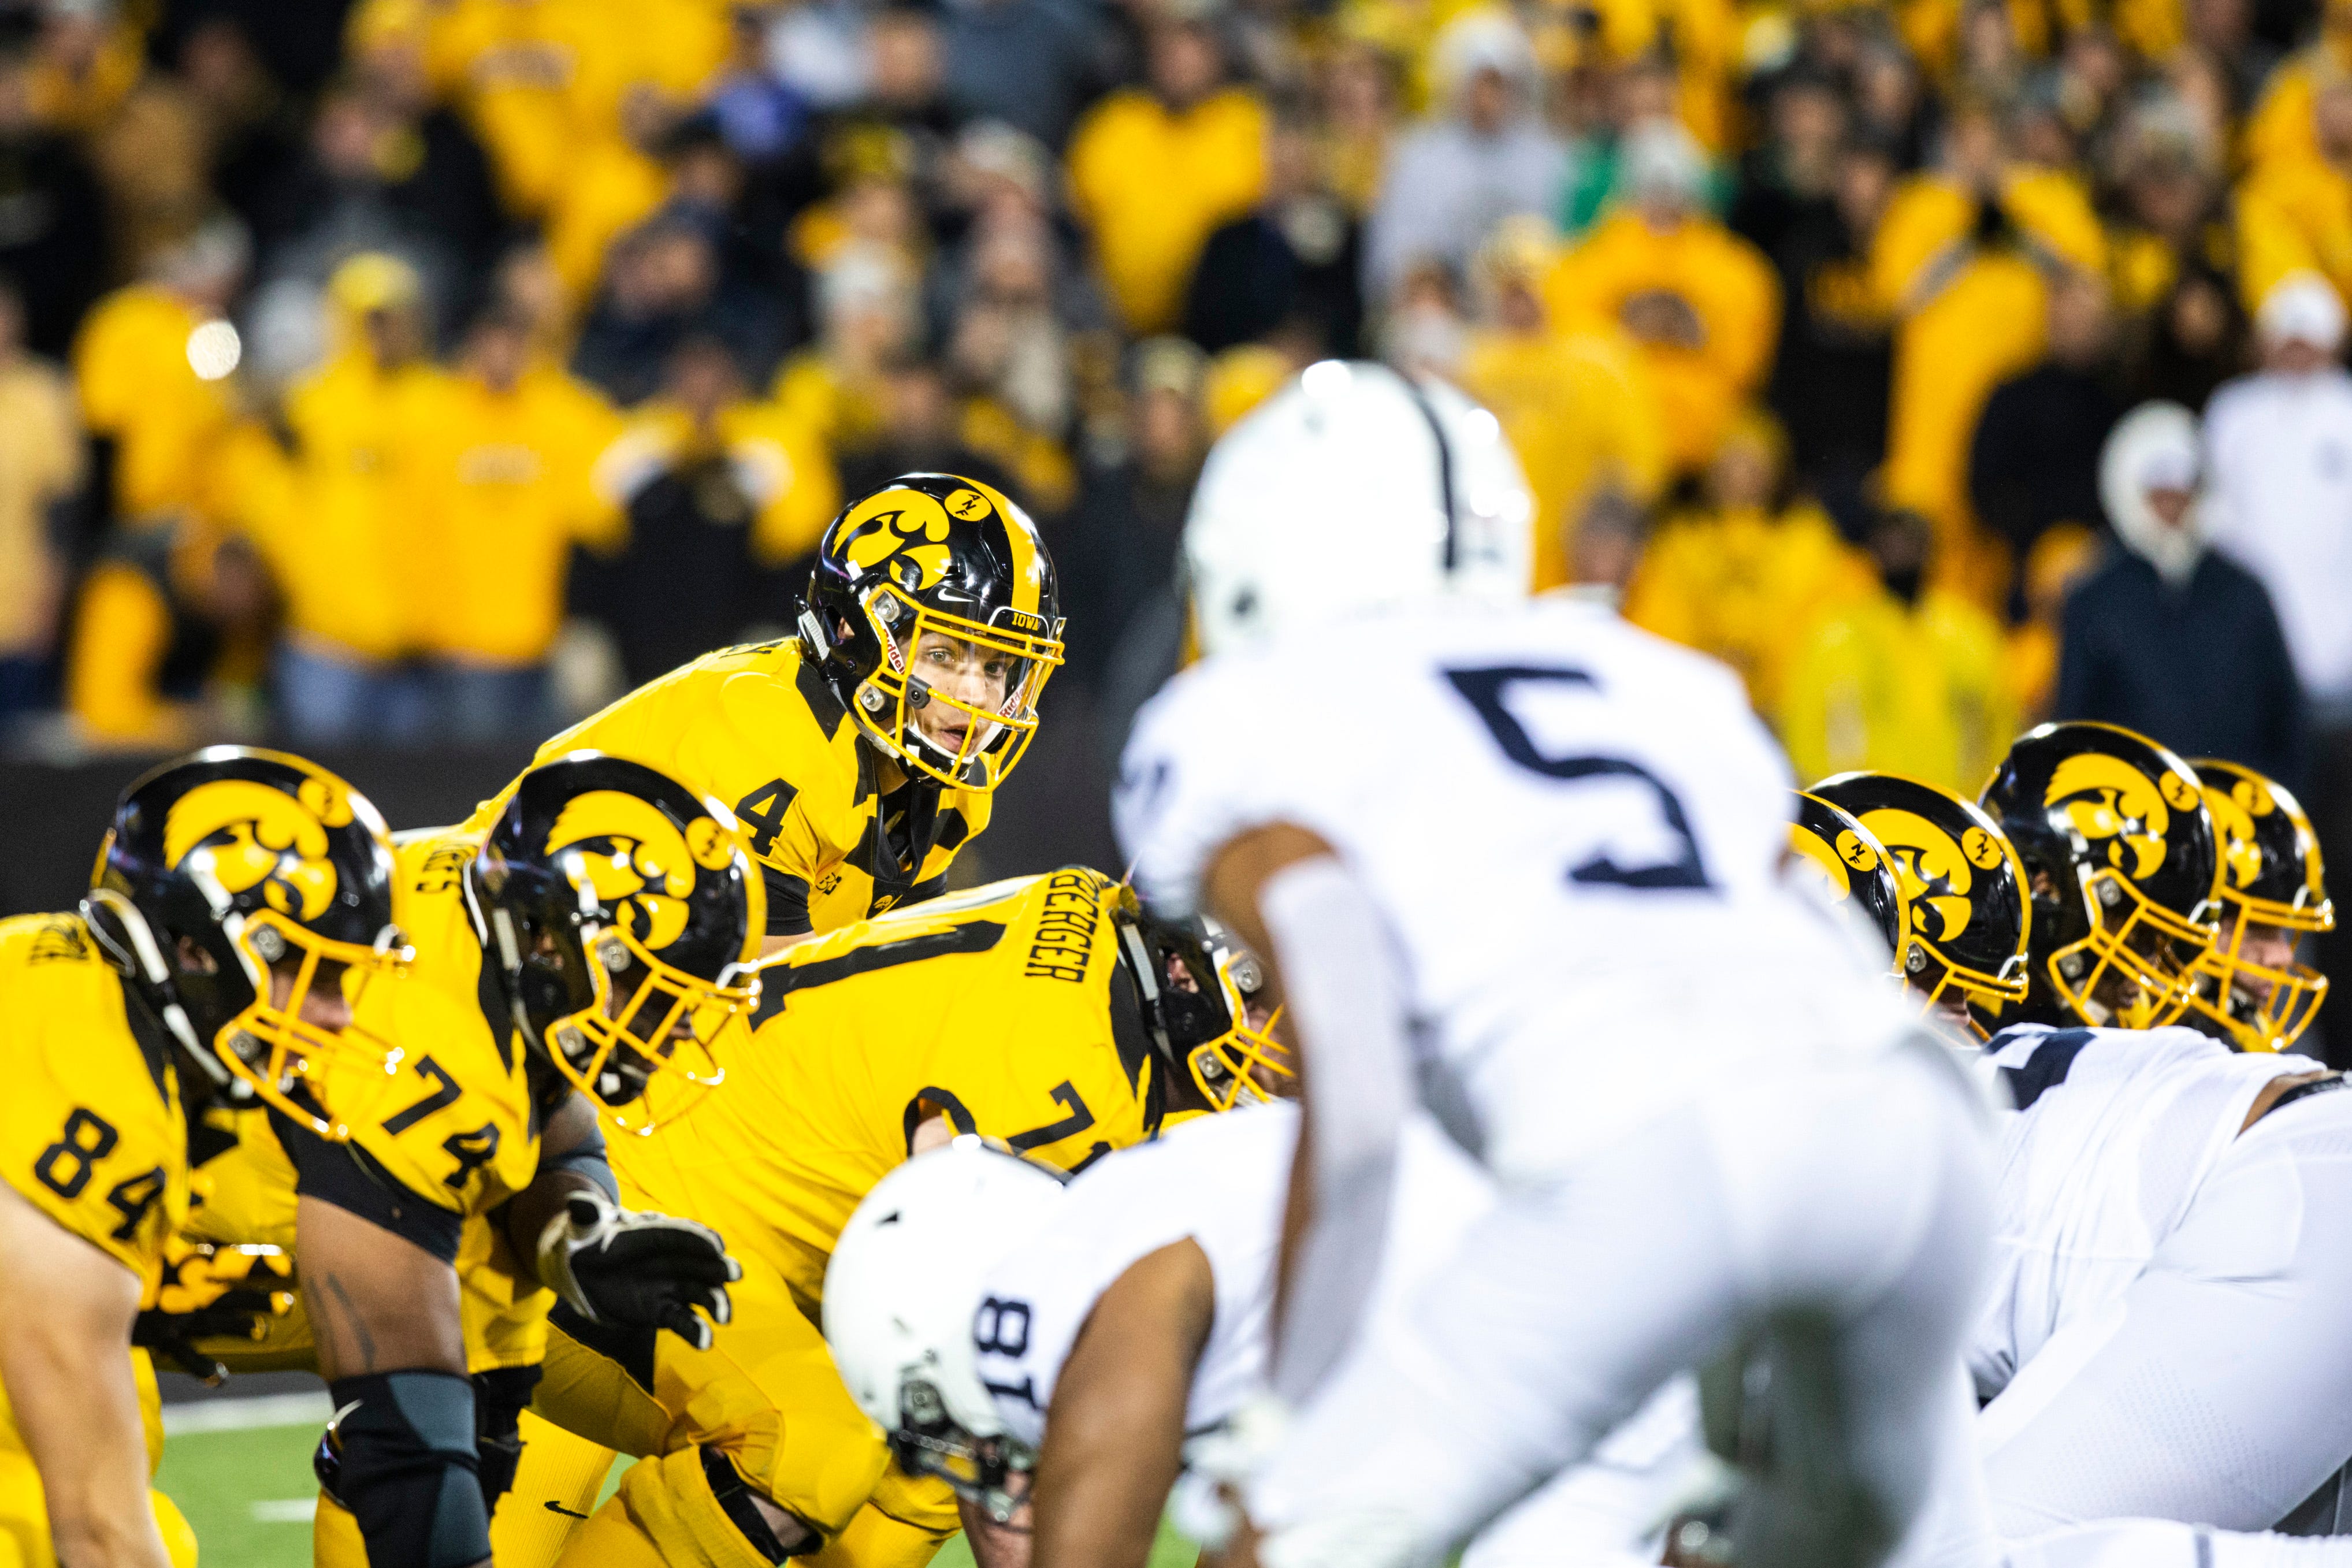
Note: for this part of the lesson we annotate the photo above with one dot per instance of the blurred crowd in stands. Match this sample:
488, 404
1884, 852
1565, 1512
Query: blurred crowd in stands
429, 369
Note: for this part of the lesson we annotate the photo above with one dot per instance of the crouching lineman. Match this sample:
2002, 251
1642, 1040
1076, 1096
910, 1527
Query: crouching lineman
241, 899
1779, 1151
2250, 989
1045, 1012
860, 754
597, 941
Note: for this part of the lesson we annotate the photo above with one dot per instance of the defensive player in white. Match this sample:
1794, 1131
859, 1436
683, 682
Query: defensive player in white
1479, 839
2129, 1155
2172, 1253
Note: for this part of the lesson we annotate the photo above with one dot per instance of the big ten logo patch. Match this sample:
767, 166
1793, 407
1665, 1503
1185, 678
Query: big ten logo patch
1063, 945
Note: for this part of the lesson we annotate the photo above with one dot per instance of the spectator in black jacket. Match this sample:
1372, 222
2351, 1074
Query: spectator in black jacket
2035, 458
1290, 268
2170, 637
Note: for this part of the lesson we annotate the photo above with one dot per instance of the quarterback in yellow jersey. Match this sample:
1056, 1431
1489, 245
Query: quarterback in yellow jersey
1045, 1012
241, 901
859, 755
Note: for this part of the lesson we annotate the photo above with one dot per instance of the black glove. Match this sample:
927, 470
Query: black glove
209, 1292
646, 1270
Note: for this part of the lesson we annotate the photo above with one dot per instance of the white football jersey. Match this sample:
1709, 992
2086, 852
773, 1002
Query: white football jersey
1221, 1180
2113, 1134
1575, 831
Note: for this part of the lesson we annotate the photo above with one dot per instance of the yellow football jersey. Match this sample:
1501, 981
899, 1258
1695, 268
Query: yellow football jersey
458, 1122
91, 1134
997, 1008
90, 1129
756, 728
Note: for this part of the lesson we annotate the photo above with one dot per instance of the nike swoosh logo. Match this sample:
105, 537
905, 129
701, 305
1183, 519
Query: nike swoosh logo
553, 1507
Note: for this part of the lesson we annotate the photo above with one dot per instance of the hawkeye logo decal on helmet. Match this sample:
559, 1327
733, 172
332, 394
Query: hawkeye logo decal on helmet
2234, 811
1932, 868
255, 835
2106, 798
1831, 864
909, 534
648, 872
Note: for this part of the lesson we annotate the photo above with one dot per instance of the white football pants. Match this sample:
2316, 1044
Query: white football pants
1858, 1189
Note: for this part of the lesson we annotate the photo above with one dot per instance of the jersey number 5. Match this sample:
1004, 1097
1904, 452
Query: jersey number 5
1485, 690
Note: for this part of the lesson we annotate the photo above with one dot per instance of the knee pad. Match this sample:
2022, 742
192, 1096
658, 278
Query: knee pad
673, 1504
400, 1456
500, 1397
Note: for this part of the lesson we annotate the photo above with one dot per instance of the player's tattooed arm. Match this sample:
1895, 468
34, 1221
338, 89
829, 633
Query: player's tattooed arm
1286, 891
65, 1361
378, 1303
1115, 1436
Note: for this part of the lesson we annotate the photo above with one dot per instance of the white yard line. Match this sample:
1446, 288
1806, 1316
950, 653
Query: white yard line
285, 1510
244, 1414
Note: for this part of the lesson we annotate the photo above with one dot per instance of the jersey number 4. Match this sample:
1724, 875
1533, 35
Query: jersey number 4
1486, 691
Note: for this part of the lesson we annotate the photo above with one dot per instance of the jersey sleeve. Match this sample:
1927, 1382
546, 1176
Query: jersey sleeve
1189, 780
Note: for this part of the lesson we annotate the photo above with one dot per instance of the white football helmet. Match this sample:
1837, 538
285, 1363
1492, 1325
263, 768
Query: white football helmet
900, 1297
1354, 488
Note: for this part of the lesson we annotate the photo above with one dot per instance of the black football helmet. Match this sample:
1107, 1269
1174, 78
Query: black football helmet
2120, 858
230, 867
1963, 888
1198, 988
953, 559
1855, 868
2272, 875
626, 916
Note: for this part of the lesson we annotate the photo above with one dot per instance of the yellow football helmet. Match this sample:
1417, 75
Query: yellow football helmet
2272, 875
233, 868
2119, 852
1962, 884
923, 575
1199, 989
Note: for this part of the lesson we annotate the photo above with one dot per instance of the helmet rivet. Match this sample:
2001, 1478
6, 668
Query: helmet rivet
2109, 894
1914, 961
887, 612
2070, 966
269, 944
616, 957
871, 700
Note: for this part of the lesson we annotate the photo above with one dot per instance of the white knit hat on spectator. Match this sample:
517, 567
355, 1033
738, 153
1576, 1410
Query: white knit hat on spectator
2302, 308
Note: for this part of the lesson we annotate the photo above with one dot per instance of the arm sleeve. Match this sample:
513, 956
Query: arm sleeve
1342, 985
788, 900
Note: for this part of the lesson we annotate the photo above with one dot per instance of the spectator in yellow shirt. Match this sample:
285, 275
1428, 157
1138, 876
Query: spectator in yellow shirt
1746, 576
720, 496
40, 462
2295, 210
1703, 303
345, 548
154, 394
502, 494
1961, 261
1155, 170
1578, 403
170, 638
1907, 678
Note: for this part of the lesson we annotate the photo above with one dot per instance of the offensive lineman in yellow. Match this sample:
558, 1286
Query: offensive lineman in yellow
1044, 1010
242, 898
859, 755
607, 920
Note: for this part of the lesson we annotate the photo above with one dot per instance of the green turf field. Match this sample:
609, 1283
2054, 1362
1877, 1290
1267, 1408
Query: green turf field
248, 1495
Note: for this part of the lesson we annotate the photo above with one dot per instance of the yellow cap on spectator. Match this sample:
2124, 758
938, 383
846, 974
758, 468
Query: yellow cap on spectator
373, 281
1239, 380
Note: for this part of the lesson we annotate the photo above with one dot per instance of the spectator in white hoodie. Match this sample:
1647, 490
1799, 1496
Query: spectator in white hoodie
2279, 452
